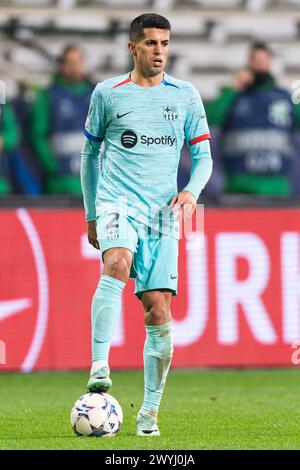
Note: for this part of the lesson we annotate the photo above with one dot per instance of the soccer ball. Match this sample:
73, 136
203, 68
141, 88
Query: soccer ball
96, 414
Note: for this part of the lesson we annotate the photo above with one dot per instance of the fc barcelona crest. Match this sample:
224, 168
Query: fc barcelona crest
170, 113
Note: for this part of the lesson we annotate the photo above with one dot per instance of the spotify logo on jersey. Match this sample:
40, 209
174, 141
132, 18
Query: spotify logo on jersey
129, 139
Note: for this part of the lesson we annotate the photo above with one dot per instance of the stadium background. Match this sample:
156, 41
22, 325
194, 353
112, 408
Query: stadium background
238, 302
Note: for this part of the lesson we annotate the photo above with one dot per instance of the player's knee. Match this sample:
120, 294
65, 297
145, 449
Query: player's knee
118, 267
158, 313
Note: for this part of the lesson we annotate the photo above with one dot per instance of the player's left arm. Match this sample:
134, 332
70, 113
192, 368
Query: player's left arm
197, 137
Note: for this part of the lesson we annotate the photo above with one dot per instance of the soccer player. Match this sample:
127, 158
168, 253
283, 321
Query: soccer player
143, 117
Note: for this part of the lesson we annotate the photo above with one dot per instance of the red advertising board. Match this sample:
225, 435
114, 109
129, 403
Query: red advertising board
238, 302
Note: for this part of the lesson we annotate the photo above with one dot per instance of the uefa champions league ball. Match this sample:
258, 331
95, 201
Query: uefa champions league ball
96, 414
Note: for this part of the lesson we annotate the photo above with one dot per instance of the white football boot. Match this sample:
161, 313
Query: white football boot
99, 380
146, 424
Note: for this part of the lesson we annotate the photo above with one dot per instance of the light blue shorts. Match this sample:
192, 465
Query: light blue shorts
155, 256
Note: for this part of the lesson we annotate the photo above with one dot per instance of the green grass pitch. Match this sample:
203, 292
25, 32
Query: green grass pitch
201, 409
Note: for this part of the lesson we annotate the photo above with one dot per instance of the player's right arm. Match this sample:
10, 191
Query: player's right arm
90, 160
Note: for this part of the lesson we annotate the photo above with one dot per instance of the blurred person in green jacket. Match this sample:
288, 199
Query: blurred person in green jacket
257, 120
9, 140
57, 121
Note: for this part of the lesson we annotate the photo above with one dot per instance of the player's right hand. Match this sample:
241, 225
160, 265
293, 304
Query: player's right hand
92, 234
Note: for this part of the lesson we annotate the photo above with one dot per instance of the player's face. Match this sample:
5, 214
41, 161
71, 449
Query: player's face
151, 52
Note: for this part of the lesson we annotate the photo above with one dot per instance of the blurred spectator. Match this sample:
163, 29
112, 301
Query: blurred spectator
25, 171
257, 120
9, 139
57, 121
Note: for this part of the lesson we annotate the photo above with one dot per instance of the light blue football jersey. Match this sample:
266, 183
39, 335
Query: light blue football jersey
143, 129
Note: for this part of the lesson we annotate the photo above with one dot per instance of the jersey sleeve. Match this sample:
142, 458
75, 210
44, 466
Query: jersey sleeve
196, 127
201, 170
95, 121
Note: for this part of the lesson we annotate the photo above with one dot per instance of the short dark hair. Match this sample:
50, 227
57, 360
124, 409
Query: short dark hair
147, 20
259, 46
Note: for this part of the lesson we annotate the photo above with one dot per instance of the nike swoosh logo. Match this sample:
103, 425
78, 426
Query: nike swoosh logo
121, 115
173, 277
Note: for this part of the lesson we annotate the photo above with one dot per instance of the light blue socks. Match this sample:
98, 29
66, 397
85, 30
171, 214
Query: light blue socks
158, 352
106, 308
158, 349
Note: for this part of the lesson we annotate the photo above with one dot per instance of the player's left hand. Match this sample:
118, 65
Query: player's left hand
183, 205
92, 234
